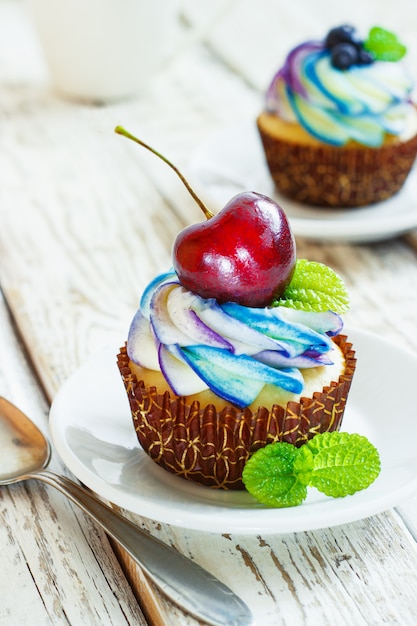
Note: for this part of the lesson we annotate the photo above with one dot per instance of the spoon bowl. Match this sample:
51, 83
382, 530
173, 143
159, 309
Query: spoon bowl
24, 447
26, 453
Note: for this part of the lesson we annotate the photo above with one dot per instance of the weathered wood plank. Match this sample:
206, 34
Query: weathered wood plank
60, 560
300, 578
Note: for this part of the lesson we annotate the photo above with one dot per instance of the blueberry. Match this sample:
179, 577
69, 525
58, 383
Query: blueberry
365, 57
344, 55
340, 34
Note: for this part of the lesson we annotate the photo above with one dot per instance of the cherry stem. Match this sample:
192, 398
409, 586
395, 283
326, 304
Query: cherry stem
122, 131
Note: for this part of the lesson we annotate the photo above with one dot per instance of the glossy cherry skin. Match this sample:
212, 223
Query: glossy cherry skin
244, 254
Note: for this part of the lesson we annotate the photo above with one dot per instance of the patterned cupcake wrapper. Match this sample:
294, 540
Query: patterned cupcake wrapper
329, 176
210, 445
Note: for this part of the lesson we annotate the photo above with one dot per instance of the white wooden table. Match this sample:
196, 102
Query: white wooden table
86, 220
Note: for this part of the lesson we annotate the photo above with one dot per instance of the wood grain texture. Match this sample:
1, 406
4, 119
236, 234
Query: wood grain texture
87, 219
56, 566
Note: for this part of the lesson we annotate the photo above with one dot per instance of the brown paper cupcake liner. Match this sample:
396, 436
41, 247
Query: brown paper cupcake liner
329, 176
210, 445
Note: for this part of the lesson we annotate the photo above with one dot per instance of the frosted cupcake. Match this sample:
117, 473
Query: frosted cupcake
339, 127
209, 383
238, 346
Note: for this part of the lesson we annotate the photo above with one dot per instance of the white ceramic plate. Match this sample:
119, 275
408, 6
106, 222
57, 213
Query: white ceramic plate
92, 430
233, 161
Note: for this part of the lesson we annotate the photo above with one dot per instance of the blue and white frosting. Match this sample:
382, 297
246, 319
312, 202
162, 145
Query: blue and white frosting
231, 349
363, 103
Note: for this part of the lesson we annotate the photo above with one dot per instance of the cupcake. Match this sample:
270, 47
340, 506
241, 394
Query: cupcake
211, 382
201, 420
339, 128
238, 346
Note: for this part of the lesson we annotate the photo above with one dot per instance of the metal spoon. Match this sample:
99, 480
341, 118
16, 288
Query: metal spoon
25, 453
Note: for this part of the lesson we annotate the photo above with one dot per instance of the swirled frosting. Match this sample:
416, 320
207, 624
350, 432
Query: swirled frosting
231, 349
362, 103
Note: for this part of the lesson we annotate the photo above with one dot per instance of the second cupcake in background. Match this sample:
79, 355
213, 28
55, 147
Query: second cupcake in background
339, 127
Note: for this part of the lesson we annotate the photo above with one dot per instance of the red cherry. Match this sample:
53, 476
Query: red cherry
245, 254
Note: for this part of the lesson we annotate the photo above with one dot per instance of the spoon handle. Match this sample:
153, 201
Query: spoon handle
183, 581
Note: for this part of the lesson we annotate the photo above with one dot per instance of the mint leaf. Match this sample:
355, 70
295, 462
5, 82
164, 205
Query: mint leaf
271, 476
315, 287
384, 45
343, 463
337, 464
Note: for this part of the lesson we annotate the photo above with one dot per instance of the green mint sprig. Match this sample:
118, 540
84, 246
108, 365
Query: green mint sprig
384, 45
337, 464
315, 287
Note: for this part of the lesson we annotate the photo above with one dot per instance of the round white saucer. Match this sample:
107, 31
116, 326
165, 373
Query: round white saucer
93, 432
233, 161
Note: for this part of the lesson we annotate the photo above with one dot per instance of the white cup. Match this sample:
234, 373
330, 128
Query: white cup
108, 50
